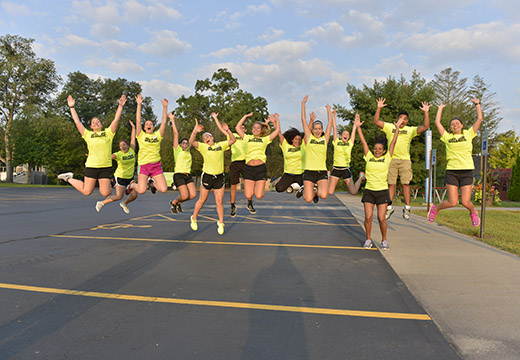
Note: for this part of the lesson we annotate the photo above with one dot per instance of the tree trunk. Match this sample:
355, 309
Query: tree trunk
8, 164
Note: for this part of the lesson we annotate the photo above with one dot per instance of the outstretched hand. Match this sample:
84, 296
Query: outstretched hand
70, 101
475, 101
171, 116
198, 127
225, 127
164, 102
305, 99
122, 100
139, 99
357, 121
425, 106
313, 116
131, 123
381, 103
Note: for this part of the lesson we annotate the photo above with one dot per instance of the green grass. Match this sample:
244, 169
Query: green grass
500, 231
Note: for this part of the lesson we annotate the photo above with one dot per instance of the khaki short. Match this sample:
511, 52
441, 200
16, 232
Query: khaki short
401, 168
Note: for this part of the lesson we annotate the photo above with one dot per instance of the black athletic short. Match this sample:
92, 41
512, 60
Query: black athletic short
180, 179
212, 182
236, 168
341, 172
286, 180
315, 176
376, 197
122, 182
459, 177
98, 173
255, 173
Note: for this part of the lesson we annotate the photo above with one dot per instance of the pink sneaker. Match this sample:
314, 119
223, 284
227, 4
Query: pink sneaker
432, 213
475, 220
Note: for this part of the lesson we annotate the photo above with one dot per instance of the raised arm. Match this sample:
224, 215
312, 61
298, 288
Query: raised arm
164, 103
334, 128
306, 128
276, 131
115, 122
426, 125
477, 123
171, 116
138, 126
229, 134
219, 126
238, 128
197, 129
357, 125
396, 135
71, 102
380, 104
438, 119
329, 124
280, 135
353, 132
132, 135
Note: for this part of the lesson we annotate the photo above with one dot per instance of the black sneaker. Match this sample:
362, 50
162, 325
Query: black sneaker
250, 207
299, 193
173, 207
233, 210
151, 183
179, 209
315, 199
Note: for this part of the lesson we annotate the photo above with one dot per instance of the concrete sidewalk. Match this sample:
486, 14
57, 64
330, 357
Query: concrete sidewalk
470, 289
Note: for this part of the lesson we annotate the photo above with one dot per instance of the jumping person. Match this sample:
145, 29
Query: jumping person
98, 166
149, 157
182, 171
401, 164
315, 142
236, 168
376, 189
459, 170
212, 170
341, 165
293, 159
255, 170
124, 174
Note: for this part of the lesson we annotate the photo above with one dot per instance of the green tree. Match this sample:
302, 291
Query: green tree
220, 94
513, 193
490, 109
26, 80
505, 150
400, 94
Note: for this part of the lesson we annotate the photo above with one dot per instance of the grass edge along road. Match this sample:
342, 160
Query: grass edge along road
501, 227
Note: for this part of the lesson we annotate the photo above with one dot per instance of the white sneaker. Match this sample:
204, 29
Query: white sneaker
389, 212
368, 244
66, 176
384, 245
406, 213
99, 205
124, 207
220, 228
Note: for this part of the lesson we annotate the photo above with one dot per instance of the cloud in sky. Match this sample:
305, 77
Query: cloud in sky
164, 43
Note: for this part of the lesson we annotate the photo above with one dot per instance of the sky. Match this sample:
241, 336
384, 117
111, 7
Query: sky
281, 50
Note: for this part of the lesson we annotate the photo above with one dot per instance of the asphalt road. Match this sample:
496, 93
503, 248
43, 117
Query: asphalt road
291, 282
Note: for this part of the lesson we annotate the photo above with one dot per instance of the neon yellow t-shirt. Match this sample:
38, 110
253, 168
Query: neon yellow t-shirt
213, 157
182, 160
376, 171
99, 146
342, 151
149, 147
238, 149
402, 146
255, 147
459, 150
293, 158
316, 154
125, 164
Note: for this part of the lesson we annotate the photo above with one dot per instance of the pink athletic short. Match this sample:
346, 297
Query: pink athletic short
151, 169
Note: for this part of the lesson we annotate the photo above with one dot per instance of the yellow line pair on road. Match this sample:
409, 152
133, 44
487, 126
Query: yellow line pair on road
212, 242
224, 304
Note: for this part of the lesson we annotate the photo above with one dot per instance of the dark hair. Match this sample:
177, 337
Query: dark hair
402, 113
291, 133
318, 122
181, 140
457, 118
381, 139
124, 140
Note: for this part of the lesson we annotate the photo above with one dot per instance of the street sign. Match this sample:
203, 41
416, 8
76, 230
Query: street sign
434, 156
484, 150
428, 148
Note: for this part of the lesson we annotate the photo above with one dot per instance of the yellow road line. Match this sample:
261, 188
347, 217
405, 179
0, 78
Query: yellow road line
212, 242
224, 304
306, 220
